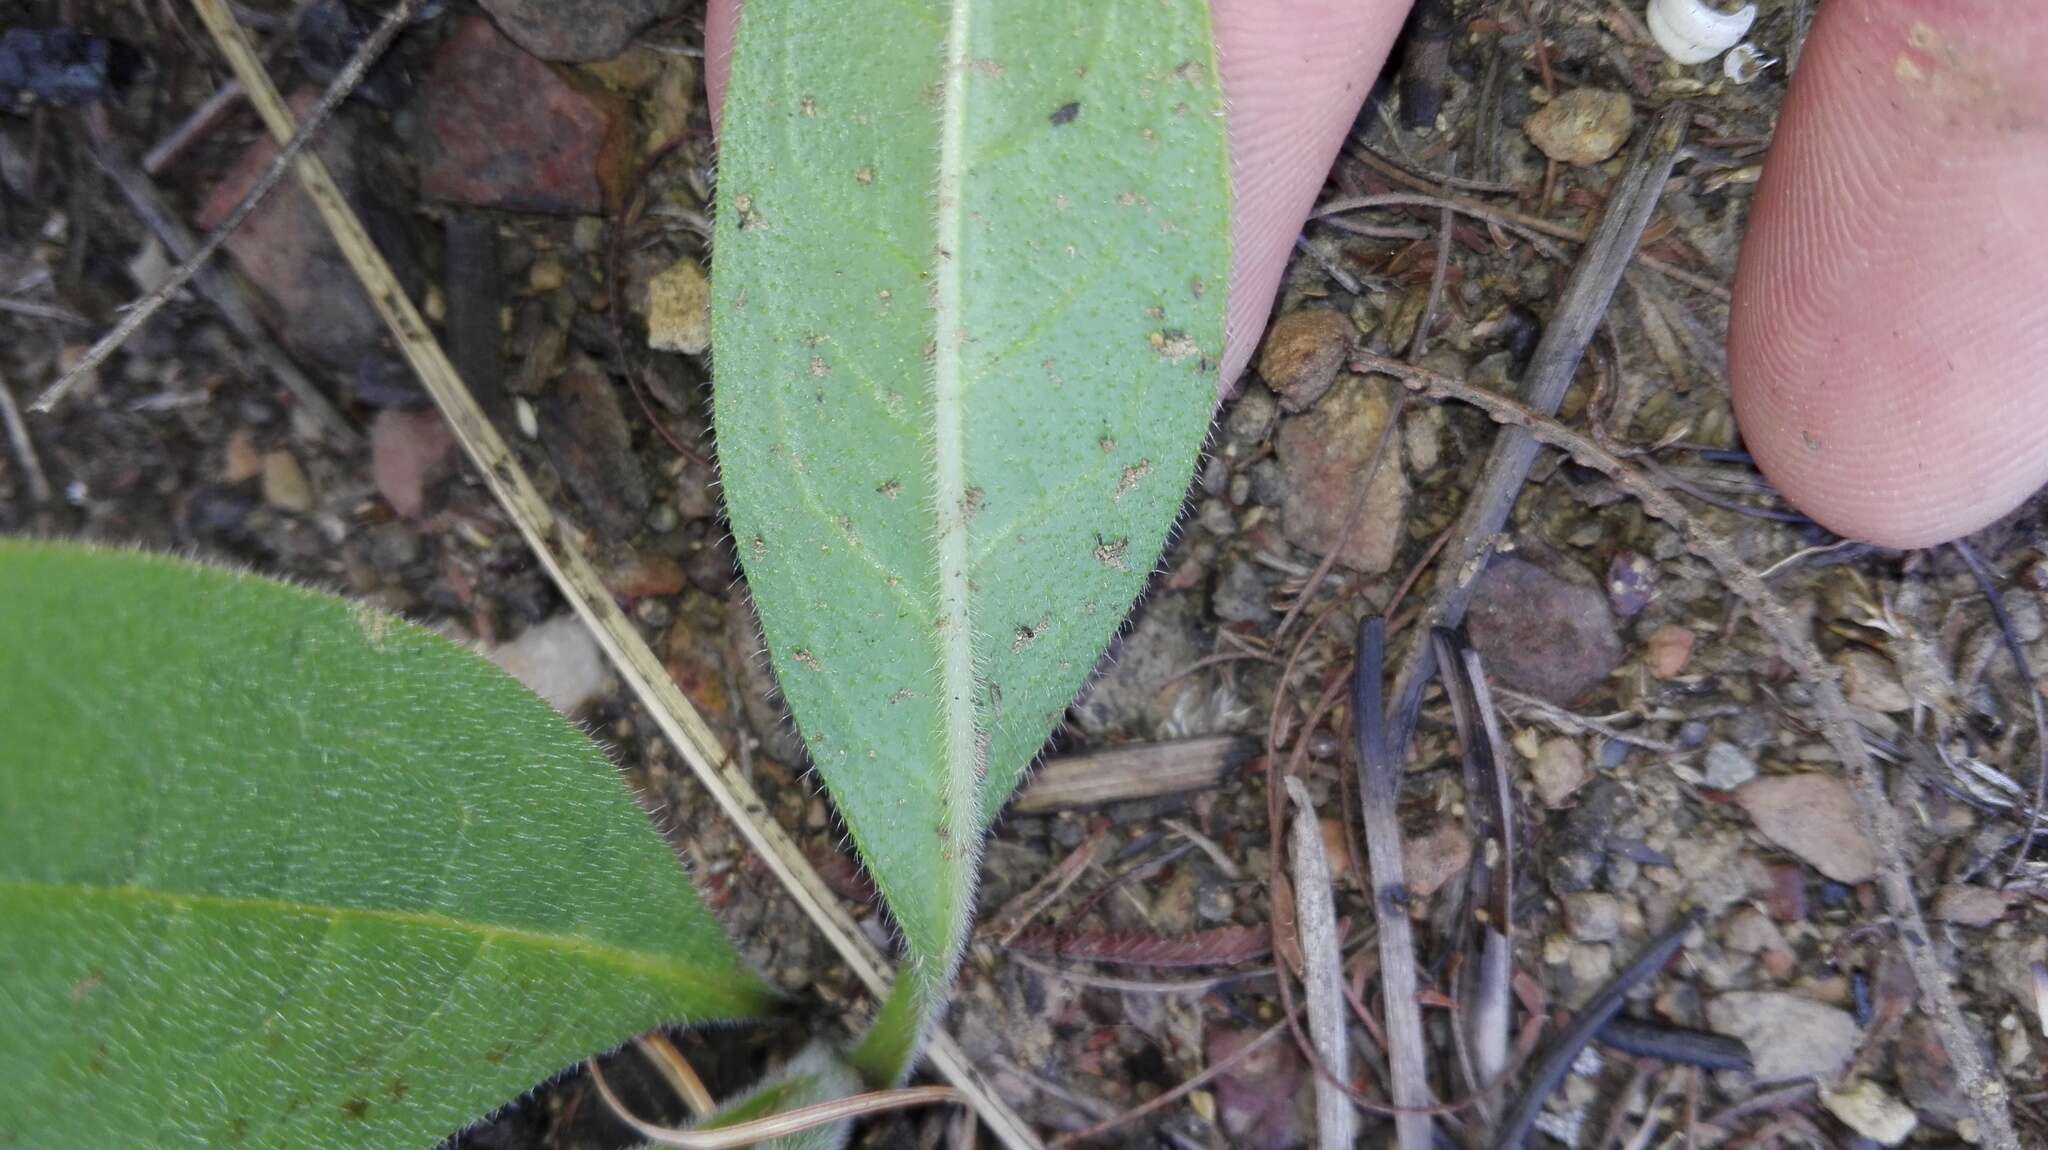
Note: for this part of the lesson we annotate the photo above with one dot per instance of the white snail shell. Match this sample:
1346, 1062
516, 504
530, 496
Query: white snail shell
1695, 31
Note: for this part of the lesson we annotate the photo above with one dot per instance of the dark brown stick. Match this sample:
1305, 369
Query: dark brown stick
1679, 1045
1489, 803
1587, 1023
1379, 784
475, 293
1556, 360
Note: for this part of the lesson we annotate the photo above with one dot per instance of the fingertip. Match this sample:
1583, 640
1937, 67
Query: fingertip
1889, 317
1295, 74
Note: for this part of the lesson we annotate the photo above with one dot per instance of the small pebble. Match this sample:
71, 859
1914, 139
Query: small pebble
284, 483
1434, 859
1631, 583
1668, 650
679, 309
1323, 454
1541, 633
1813, 816
1865, 1108
1591, 963
1303, 353
1215, 904
1792, 1036
1251, 417
241, 459
545, 275
1582, 126
1751, 931
1610, 753
1216, 517
409, 450
1727, 767
1559, 770
1240, 594
1966, 905
558, 660
1593, 916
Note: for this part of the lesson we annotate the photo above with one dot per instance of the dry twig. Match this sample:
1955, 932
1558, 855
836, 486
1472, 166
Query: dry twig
1556, 359
1140, 771
291, 147
24, 447
225, 297
1322, 975
1004, 925
1532, 228
677, 1072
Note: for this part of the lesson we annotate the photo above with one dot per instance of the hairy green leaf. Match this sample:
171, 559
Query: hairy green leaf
276, 870
817, 1074
971, 259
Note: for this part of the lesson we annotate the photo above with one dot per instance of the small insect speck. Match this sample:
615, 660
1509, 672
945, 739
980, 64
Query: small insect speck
1132, 476
1173, 346
1065, 113
1111, 555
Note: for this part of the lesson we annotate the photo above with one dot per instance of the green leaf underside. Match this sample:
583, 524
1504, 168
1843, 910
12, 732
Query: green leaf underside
971, 265
817, 1074
276, 870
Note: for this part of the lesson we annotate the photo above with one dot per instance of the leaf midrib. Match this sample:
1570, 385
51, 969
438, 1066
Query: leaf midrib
649, 963
949, 481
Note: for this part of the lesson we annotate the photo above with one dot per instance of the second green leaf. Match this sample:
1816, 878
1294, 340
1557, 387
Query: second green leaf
968, 312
